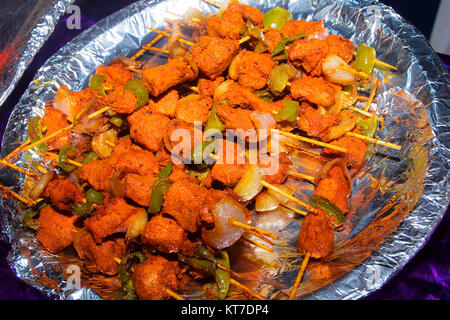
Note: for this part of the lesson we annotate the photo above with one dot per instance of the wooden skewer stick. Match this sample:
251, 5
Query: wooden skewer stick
169, 35
262, 246
330, 146
240, 285
96, 113
13, 166
372, 94
301, 212
19, 148
180, 23
193, 88
356, 72
384, 64
303, 149
261, 237
287, 195
312, 141
214, 3
299, 276
228, 270
17, 196
49, 137
383, 143
55, 157
365, 113
248, 227
157, 49
381, 63
174, 295
301, 175
142, 51
110, 143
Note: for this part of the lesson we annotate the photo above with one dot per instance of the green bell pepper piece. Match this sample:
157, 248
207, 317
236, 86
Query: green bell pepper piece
280, 52
140, 90
125, 267
66, 153
329, 208
96, 83
93, 196
82, 209
368, 126
90, 157
214, 124
159, 190
279, 77
166, 171
289, 112
35, 133
365, 58
276, 18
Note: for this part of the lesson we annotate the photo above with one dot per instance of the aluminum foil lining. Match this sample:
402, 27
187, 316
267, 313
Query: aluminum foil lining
399, 197
24, 27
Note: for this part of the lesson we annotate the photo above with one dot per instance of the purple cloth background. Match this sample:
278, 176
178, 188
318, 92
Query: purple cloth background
426, 276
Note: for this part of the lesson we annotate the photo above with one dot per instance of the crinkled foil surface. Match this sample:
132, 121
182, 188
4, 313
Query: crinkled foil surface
398, 199
24, 27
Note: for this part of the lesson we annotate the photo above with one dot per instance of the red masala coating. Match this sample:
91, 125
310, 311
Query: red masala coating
309, 54
179, 173
165, 235
55, 120
139, 188
98, 173
142, 162
272, 38
151, 278
356, 150
167, 104
253, 69
275, 167
334, 187
230, 169
63, 193
115, 75
233, 19
102, 254
313, 90
240, 96
248, 12
313, 122
214, 55
109, 218
207, 87
148, 128
312, 28
226, 27
163, 77
181, 138
316, 235
234, 118
184, 202
119, 100
341, 47
71, 102
56, 230
193, 108
124, 146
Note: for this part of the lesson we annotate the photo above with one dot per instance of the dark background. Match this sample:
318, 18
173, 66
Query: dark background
426, 276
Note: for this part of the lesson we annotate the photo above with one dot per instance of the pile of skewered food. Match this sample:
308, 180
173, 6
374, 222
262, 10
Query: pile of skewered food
153, 172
